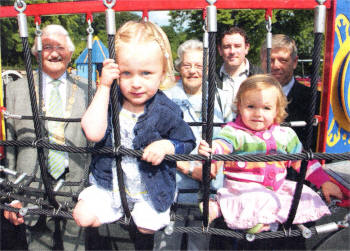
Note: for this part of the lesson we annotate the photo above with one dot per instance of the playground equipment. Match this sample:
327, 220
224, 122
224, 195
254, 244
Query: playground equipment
99, 54
333, 122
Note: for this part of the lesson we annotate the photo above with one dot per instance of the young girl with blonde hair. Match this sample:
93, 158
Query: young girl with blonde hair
256, 194
148, 121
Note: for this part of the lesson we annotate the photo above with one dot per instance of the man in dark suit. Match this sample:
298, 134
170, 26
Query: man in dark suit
73, 100
284, 60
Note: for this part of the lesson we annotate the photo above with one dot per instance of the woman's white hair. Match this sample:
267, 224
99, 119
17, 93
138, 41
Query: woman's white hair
192, 44
54, 29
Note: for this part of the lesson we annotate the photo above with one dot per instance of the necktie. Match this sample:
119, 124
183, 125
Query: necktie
56, 159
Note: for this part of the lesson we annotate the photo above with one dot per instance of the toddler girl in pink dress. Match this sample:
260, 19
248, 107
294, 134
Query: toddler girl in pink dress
256, 194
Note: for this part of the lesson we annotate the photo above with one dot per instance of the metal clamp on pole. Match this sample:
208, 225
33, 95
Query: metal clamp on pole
306, 233
326, 228
20, 6
20, 178
211, 17
38, 33
297, 123
58, 185
110, 17
269, 33
205, 37
268, 39
90, 31
8, 171
320, 17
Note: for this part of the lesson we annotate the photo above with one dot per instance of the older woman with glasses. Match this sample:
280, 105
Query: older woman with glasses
188, 95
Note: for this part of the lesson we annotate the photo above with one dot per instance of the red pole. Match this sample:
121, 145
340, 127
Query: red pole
327, 77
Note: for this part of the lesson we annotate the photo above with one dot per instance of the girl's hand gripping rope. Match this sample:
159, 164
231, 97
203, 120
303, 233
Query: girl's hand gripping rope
110, 72
156, 151
205, 150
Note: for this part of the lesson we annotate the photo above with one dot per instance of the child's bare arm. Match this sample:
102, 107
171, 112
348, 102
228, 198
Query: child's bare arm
156, 151
330, 189
197, 166
94, 121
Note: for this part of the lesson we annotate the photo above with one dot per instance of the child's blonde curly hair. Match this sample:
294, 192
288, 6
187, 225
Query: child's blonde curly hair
261, 82
145, 31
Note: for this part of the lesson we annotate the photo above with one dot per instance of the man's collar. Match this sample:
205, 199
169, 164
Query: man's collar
223, 72
48, 79
286, 88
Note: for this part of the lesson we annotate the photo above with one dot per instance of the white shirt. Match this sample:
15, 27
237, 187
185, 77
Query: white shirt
286, 88
231, 85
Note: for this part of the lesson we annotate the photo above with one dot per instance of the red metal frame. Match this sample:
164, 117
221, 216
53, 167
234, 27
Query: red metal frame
327, 76
148, 5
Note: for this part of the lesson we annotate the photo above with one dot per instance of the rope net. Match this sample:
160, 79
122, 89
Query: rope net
44, 200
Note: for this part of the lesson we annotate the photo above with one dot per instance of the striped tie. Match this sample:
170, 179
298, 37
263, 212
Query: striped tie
56, 159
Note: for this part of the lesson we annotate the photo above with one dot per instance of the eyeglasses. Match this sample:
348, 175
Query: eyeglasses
50, 48
188, 67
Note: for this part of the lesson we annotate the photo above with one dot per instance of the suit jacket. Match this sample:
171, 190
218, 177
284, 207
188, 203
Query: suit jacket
24, 159
299, 98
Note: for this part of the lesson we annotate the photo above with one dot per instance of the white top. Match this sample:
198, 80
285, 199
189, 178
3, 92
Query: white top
135, 188
231, 85
286, 88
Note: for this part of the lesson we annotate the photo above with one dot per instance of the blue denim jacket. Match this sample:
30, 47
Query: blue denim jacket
162, 119
222, 113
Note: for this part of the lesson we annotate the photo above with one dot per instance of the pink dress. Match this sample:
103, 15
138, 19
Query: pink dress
257, 192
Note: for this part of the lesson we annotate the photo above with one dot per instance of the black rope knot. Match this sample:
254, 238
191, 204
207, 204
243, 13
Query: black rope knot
287, 232
56, 211
8, 194
36, 141
116, 150
309, 155
205, 229
127, 219
39, 201
21, 188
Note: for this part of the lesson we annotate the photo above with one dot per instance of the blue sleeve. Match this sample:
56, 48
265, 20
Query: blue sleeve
180, 134
179, 146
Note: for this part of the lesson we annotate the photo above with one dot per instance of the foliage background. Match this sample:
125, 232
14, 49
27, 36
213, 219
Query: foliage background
184, 25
